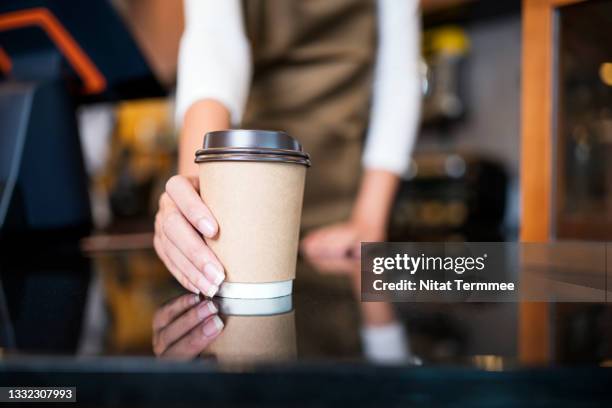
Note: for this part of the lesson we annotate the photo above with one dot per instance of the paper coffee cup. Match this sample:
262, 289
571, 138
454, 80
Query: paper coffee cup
256, 330
253, 182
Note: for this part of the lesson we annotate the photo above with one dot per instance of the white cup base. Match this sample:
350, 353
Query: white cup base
255, 307
267, 290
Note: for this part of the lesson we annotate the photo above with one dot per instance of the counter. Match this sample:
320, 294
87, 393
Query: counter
85, 320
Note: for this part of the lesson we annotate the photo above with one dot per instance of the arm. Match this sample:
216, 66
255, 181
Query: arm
214, 72
391, 134
203, 116
374, 201
395, 110
213, 80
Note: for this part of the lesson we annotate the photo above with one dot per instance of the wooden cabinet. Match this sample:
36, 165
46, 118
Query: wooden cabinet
538, 158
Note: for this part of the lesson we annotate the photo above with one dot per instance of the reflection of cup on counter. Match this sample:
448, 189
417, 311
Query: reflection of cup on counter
253, 182
256, 330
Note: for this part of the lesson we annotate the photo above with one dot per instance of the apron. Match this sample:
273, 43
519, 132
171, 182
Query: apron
312, 78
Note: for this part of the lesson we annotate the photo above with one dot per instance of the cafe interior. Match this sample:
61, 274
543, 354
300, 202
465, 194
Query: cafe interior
514, 135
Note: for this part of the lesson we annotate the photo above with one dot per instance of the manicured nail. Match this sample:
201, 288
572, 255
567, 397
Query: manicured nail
213, 326
206, 227
212, 290
214, 273
203, 285
204, 310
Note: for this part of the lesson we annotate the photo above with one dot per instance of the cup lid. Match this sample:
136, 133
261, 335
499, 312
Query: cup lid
251, 145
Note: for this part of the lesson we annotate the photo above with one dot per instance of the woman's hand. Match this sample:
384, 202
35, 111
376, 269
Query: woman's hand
183, 328
181, 218
340, 240
368, 222
349, 266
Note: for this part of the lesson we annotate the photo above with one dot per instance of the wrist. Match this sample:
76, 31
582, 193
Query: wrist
374, 201
369, 222
203, 116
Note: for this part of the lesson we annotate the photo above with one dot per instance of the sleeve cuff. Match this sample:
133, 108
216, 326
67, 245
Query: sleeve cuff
386, 344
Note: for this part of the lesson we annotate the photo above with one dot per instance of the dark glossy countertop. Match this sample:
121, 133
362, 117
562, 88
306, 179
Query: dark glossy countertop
88, 320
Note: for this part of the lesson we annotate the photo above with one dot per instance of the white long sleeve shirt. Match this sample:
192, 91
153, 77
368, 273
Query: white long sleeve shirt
215, 63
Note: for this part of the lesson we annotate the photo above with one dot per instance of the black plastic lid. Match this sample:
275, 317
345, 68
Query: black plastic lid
251, 145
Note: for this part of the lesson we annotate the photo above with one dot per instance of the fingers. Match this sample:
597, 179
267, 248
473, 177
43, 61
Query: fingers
315, 244
194, 181
355, 251
173, 309
186, 249
341, 244
188, 274
198, 339
178, 275
164, 338
183, 236
180, 232
335, 266
179, 245
309, 244
183, 193
335, 241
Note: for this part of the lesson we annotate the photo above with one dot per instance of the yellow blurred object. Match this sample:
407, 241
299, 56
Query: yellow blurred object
143, 156
605, 73
446, 40
132, 296
140, 122
489, 362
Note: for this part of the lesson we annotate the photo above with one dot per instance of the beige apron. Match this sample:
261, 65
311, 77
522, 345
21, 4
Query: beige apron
313, 78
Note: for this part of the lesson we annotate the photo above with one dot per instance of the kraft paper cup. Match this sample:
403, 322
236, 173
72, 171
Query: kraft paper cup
253, 182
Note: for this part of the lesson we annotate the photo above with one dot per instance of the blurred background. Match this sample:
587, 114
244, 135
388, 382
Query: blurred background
88, 141
463, 181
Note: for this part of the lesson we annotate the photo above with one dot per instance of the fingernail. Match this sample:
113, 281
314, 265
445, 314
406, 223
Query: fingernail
203, 285
213, 326
204, 310
196, 298
206, 227
212, 289
215, 273
213, 309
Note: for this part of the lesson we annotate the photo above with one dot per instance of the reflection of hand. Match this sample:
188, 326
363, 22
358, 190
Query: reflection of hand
184, 327
178, 244
339, 240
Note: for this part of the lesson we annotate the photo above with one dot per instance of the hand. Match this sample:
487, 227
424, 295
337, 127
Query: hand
368, 221
181, 214
336, 266
183, 328
340, 240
